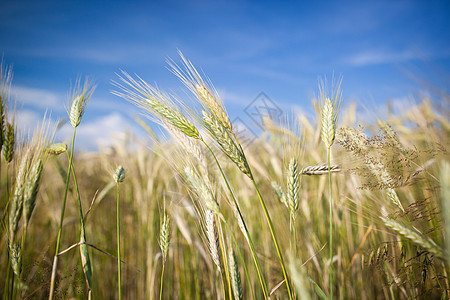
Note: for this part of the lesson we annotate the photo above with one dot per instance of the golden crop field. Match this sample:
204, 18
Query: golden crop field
331, 208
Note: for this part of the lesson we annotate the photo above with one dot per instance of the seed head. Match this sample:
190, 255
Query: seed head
119, 174
31, 188
293, 185
202, 190
8, 143
79, 101
164, 236
56, 149
329, 113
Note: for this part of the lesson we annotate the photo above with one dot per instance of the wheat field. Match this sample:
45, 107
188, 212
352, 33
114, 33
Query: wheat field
335, 207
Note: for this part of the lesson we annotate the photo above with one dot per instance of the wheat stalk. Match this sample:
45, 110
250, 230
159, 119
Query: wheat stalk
330, 111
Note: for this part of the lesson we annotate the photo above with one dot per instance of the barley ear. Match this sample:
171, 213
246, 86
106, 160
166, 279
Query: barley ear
278, 190
320, 170
203, 192
213, 238
328, 125
234, 275
164, 236
79, 101
8, 142
16, 209
2, 122
330, 110
56, 149
5, 85
228, 144
293, 186
414, 236
31, 189
16, 260
119, 174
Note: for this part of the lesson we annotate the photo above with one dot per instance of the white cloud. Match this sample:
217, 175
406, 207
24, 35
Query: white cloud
26, 120
380, 57
105, 131
38, 98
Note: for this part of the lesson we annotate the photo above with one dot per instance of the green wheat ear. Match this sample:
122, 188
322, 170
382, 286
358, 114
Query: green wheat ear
79, 100
164, 236
293, 186
329, 113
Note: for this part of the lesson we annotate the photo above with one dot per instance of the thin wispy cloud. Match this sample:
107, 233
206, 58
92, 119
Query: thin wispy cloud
372, 57
105, 131
38, 98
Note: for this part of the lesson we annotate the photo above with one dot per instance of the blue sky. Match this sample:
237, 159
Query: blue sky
280, 48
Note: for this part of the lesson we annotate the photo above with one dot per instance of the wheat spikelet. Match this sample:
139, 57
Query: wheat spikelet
328, 124
414, 236
16, 261
393, 197
278, 190
203, 191
213, 237
140, 93
191, 146
320, 170
79, 100
293, 186
5, 86
228, 145
215, 107
8, 142
56, 149
330, 111
234, 275
16, 209
2, 121
207, 95
31, 188
119, 174
164, 236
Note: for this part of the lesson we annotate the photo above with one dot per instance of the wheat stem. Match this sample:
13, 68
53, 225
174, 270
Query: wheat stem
274, 238
162, 280
247, 235
58, 239
331, 221
119, 273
